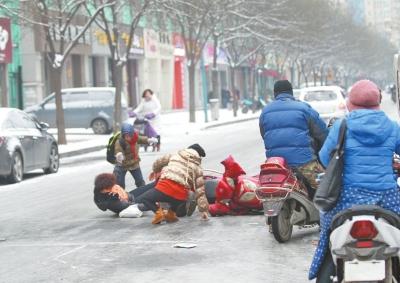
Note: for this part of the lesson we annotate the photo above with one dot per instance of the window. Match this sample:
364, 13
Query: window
76, 97
22, 121
7, 124
324, 95
50, 102
105, 96
76, 100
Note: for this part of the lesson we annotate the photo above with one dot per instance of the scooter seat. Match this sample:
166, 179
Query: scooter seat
373, 210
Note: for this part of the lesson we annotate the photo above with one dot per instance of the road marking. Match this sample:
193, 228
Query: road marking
58, 258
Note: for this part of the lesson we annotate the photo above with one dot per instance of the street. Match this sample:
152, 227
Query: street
51, 231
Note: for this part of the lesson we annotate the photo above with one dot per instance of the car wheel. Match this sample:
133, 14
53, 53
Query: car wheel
54, 161
100, 127
17, 168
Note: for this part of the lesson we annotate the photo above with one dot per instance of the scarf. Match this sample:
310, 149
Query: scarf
133, 143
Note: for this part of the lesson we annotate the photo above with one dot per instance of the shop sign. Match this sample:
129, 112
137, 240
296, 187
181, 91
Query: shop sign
5, 41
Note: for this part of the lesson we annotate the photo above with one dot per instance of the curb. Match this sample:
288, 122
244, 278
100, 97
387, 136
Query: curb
228, 123
82, 151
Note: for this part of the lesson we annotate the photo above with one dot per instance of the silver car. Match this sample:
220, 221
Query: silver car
25, 145
83, 108
329, 101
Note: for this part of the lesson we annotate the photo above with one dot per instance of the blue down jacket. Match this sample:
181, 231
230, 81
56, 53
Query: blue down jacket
371, 140
292, 129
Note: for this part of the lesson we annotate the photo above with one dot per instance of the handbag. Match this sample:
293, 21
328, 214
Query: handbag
328, 191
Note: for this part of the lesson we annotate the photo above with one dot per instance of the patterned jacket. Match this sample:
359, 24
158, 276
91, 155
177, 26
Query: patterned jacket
184, 168
130, 162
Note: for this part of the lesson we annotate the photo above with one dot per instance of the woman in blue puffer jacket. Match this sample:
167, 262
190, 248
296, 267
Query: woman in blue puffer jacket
371, 140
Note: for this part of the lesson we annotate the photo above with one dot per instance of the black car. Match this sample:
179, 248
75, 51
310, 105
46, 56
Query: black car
25, 145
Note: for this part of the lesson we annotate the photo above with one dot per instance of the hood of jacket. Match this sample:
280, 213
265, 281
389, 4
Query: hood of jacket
190, 155
369, 127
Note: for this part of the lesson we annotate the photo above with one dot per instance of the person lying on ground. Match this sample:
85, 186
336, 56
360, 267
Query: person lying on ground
109, 195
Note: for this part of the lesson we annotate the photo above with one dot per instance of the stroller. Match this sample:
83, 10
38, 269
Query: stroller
142, 125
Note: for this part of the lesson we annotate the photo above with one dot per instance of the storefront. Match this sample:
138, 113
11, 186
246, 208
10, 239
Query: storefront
159, 65
178, 101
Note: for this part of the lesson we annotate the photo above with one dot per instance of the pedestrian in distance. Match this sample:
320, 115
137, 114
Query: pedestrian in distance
293, 130
150, 109
178, 174
126, 150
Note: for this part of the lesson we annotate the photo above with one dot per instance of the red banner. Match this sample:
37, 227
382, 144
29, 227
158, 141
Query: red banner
5, 41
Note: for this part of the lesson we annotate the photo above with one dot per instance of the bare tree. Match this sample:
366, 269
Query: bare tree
110, 21
56, 19
191, 17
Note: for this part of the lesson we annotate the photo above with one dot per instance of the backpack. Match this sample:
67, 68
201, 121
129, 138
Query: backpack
111, 147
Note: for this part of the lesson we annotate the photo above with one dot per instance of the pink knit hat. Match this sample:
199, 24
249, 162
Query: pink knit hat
364, 94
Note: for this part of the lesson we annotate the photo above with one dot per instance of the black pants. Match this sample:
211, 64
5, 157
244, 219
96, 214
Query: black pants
134, 194
120, 174
150, 198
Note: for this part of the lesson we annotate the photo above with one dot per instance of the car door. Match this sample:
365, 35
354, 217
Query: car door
6, 137
102, 105
40, 144
25, 136
48, 112
77, 109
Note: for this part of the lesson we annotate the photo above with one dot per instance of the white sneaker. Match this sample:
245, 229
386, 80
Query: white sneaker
131, 211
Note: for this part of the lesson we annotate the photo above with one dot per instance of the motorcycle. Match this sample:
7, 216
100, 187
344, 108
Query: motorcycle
254, 105
231, 192
286, 199
365, 246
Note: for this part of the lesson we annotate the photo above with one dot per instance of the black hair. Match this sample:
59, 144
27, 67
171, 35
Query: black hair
145, 91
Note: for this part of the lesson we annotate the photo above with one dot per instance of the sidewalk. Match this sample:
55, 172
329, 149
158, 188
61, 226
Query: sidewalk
81, 141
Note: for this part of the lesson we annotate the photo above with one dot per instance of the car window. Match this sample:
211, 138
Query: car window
76, 100
50, 103
7, 124
105, 96
76, 97
320, 95
22, 121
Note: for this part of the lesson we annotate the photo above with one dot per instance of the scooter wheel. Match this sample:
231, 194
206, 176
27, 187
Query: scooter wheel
281, 227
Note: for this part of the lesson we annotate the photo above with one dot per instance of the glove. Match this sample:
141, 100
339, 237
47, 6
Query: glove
150, 116
119, 157
132, 114
153, 140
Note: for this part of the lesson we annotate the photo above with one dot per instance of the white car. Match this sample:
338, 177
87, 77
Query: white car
329, 101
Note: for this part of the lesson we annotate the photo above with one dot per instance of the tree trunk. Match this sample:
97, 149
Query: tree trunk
117, 81
304, 74
233, 91
315, 76
192, 102
215, 87
253, 84
56, 80
322, 75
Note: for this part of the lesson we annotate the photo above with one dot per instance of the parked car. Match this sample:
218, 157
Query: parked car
83, 108
25, 145
329, 101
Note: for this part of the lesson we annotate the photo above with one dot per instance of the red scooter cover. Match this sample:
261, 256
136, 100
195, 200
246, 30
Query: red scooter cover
275, 175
